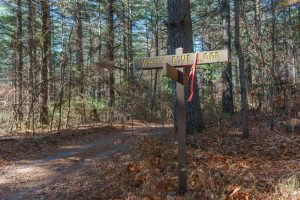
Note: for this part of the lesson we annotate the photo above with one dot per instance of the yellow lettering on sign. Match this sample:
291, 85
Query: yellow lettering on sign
173, 59
157, 60
144, 63
206, 57
217, 55
183, 59
211, 56
188, 58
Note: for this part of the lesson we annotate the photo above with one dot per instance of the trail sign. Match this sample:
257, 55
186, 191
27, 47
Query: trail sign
181, 60
175, 74
169, 64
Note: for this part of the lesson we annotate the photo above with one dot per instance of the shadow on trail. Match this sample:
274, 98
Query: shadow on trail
26, 178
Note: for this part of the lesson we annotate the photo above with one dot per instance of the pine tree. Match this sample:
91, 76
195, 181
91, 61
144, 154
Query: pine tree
180, 35
244, 103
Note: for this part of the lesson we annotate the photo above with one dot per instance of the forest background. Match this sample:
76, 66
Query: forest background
66, 63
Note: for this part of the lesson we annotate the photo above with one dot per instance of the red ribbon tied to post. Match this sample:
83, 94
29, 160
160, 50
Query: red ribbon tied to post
192, 74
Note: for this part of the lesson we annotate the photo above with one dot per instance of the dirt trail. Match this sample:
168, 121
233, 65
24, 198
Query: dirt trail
24, 179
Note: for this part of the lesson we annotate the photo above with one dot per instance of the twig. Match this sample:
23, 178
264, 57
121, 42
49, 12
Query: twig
297, 144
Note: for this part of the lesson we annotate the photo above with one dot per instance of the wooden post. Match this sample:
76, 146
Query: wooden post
181, 133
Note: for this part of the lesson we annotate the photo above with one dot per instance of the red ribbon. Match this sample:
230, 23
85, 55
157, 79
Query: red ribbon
192, 74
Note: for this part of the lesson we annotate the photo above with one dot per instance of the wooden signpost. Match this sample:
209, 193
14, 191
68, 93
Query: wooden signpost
169, 64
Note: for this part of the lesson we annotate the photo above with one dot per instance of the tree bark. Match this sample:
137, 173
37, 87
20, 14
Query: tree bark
79, 58
130, 47
110, 55
51, 75
180, 35
14, 80
63, 61
153, 103
124, 41
258, 46
273, 71
45, 40
98, 84
70, 78
257, 16
32, 60
19, 60
227, 98
244, 103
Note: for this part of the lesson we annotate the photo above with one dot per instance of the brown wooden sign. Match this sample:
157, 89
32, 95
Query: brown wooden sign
187, 59
175, 74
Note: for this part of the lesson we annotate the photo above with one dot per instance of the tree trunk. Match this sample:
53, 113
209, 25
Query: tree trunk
273, 73
130, 47
227, 98
244, 103
32, 60
124, 41
70, 82
63, 61
19, 61
258, 46
79, 58
125, 58
180, 35
14, 81
249, 73
51, 75
257, 16
153, 103
110, 55
46, 38
98, 83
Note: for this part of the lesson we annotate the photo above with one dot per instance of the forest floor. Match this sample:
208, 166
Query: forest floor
108, 162
31, 166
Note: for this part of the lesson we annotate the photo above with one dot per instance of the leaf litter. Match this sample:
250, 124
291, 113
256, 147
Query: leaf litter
220, 166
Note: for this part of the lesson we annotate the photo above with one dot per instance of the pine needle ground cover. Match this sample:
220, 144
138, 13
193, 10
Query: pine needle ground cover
220, 166
225, 167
